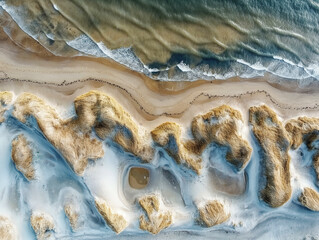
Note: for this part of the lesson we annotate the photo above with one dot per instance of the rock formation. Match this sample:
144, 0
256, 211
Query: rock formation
309, 198
157, 218
221, 126
103, 113
21, 155
213, 213
73, 215
168, 135
275, 160
300, 129
5, 99
113, 220
7, 229
75, 147
42, 224
305, 129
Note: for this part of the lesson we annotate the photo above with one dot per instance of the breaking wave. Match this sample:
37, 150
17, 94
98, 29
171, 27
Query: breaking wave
174, 40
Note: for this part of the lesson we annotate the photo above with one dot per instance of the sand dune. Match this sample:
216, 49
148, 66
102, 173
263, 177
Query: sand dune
101, 119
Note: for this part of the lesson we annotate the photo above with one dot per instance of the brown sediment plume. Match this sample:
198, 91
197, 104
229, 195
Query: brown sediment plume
42, 224
274, 142
221, 126
138, 177
168, 135
7, 229
21, 154
5, 99
309, 198
75, 147
113, 220
213, 213
73, 216
109, 119
157, 218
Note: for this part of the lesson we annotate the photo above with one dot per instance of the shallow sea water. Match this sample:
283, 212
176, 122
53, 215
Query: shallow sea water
166, 40
181, 40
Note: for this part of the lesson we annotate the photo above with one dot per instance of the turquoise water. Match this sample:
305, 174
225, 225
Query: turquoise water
181, 40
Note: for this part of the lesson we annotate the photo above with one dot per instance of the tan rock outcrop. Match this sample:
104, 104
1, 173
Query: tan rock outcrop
301, 128
7, 229
309, 198
221, 126
315, 163
103, 113
73, 216
113, 220
76, 147
21, 155
42, 224
5, 99
157, 218
168, 135
305, 129
96, 110
213, 213
275, 159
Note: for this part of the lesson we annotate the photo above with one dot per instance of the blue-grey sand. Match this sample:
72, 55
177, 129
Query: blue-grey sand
159, 119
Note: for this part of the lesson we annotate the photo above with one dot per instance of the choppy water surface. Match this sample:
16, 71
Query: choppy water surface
181, 40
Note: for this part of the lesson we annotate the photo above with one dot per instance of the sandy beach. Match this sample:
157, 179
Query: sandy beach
66, 83
149, 101
159, 120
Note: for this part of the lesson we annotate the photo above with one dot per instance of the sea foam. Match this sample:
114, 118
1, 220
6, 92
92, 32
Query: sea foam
261, 45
